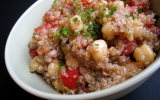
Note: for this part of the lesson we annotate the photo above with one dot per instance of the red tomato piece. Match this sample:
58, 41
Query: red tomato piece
150, 24
34, 52
136, 3
55, 26
130, 46
130, 9
42, 28
70, 80
79, 39
86, 2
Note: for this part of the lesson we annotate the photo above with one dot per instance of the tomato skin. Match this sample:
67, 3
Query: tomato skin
70, 81
150, 24
42, 28
34, 52
135, 2
56, 26
85, 2
79, 39
130, 46
130, 9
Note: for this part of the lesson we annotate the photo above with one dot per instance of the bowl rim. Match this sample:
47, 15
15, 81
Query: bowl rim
102, 93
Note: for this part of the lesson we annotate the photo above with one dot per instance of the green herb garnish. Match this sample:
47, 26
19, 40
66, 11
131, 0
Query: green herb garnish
94, 45
60, 65
96, 76
57, 37
68, 90
75, 19
131, 15
78, 87
139, 11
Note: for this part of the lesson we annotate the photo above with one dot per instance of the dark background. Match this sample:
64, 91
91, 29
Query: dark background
10, 11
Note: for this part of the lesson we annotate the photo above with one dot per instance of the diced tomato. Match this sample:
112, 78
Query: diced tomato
56, 26
83, 87
79, 39
136, 3
34, 52
150, 24
144, 3
42, 28
130, 9
130, 46
86, 2
70, 80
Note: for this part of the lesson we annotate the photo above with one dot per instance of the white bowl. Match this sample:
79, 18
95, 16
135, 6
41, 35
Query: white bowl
17, 60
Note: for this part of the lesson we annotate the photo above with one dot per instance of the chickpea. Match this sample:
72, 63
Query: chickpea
133, 66
58, 84
144, 54
134, 29
98, 49
53, 70
36, 66
72, 62
107, 31
75, 23
118, 4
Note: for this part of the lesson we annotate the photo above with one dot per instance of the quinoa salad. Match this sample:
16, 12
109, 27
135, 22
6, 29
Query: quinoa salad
84, 46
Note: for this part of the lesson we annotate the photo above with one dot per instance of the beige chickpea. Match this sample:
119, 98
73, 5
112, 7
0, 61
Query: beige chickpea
72, 62
107, 31
53, 70
36, 66
134, 29
75, 23
144, 54
133, 66
118, 4
98, 49
58, 84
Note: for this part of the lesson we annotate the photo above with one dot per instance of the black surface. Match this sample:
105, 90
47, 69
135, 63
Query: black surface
10, 11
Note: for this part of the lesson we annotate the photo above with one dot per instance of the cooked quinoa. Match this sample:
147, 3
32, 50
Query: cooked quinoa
89, 45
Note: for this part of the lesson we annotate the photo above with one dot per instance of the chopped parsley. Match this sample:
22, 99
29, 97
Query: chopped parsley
131, 15
68, 90
133, 0
78, 8
33, 34
96, 76
89, 28
139, 11
126, 16
123, 0
75, 19
94, 45
64, 31
78, 3
56, 4
106, 38
78, 87
78, 81
60, 65
57, 37
89, 16
113, 10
